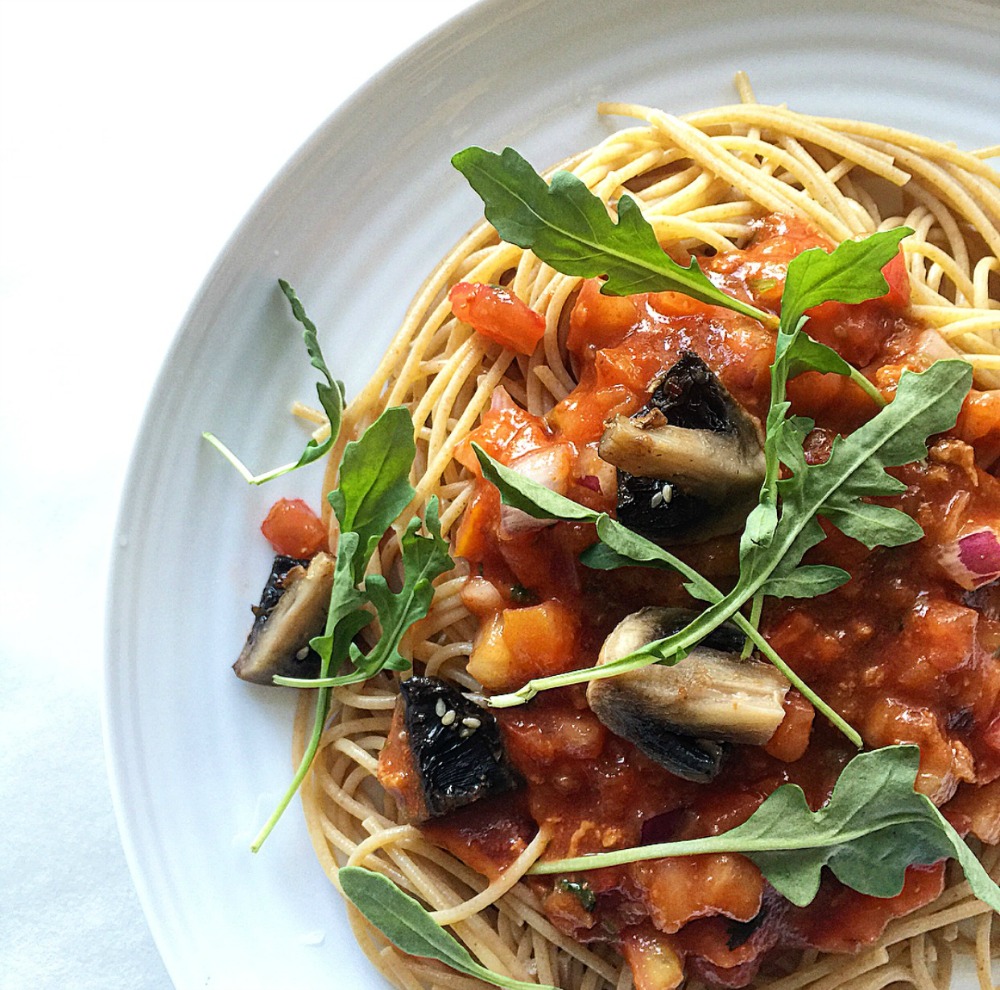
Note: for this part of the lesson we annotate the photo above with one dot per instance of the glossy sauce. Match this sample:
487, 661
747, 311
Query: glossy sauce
904, 653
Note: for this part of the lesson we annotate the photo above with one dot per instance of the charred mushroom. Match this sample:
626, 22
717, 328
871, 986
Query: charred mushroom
443, 751
679, 715
292, 610
690, 463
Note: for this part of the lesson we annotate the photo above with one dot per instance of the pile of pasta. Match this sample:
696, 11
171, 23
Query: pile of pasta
701, 180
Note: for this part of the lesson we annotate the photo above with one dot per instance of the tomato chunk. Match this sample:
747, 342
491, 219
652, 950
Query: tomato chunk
292, 528
497, 314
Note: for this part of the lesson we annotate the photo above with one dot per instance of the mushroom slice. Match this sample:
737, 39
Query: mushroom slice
443, 751
292, 610
673, 714
691, 462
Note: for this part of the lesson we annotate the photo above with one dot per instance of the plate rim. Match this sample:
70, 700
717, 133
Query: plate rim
138, 477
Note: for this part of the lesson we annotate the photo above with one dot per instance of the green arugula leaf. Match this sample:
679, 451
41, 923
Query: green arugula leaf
569, 228
874, 826
374, 489
375, 481
851, 273
331, 398
424, 559
925, 404
409, 926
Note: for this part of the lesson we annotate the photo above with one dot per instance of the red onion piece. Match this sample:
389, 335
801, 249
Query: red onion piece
500, 400
549, 466
595, 473
973, 559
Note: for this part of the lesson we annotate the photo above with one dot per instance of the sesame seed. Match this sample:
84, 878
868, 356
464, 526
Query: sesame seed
448, 717
464, 733
667, 492
471, 723
440, 708
657, 500
303, 653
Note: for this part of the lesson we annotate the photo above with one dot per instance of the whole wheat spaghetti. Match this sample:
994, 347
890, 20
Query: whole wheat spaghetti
705, 181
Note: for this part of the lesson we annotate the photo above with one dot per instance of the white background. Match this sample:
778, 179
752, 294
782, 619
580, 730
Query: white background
133, 138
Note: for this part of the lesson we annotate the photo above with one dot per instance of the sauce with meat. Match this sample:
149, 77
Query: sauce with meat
902, 651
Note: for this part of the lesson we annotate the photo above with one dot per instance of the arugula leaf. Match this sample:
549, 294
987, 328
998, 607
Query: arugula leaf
925, 404
375, 481
569, 228
874, 826
331, 398
424, 558
851, 273
374, 489
838, 489
409, 926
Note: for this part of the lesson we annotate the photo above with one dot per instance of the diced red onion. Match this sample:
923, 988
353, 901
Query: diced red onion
973, 560
595, 473
500, 400
549, 466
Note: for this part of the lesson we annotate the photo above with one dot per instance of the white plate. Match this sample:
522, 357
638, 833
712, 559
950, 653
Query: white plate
355, 221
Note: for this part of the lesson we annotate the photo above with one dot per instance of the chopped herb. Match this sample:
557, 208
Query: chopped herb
581, 891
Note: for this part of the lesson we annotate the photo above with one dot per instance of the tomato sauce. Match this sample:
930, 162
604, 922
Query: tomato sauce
901, 650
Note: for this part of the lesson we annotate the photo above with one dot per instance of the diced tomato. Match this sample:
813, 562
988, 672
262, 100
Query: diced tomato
491, 662
522, 643
598, 320
791, 738
480, 521
542, 638
292, 528
496, 313
504, 434
582, 414
898, 296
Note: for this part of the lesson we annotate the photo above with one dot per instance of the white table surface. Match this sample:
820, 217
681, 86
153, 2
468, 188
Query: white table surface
133, 138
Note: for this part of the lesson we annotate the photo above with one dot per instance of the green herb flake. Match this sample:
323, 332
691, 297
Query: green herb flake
581, 891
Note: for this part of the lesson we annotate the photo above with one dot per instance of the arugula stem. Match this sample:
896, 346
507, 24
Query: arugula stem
868, 388
723, 842
807, 692
245, 472
684, 641
319, 720
756, 607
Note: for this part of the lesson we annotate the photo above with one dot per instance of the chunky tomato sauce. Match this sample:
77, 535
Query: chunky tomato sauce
903, 651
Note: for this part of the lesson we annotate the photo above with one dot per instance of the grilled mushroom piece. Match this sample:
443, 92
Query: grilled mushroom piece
292, 609
691, 462
679, 715
443, 751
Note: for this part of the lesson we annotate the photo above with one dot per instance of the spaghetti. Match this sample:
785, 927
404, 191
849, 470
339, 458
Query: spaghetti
704, 181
